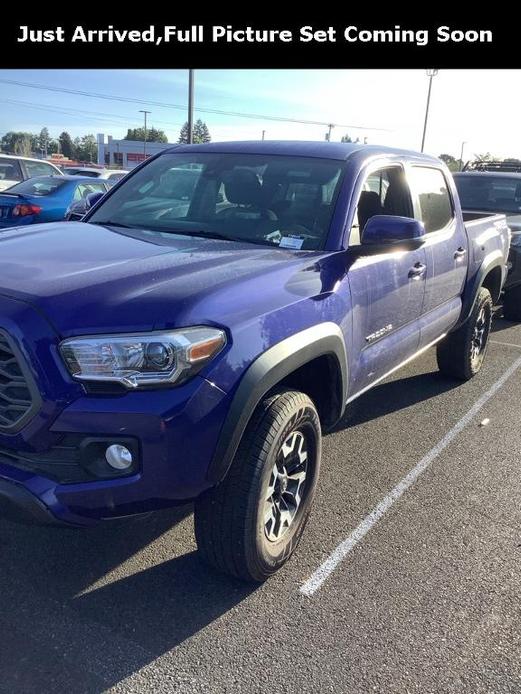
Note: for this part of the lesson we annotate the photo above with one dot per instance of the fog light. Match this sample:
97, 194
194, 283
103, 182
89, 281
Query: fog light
118, 456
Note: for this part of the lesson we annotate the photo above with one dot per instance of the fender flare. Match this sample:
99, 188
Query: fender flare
492, 260
264, 373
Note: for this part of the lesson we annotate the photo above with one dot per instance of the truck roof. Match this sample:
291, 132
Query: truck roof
302, 148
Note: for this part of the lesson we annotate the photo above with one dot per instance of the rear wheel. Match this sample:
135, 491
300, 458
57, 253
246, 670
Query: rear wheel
250, 524
461, 354
512, 304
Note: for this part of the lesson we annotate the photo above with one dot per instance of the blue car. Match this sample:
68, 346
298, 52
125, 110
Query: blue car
44, 199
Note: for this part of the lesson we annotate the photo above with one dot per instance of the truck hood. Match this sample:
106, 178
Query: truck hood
90, 279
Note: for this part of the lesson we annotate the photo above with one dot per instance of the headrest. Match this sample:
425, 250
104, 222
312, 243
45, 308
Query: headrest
242, 187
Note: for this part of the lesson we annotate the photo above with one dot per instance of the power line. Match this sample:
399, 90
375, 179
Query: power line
256, 116
97, 115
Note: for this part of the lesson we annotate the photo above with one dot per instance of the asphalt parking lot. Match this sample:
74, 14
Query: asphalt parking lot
428, 600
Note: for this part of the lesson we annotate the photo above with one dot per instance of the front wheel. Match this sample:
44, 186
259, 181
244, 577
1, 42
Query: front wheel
461, 354
250, 524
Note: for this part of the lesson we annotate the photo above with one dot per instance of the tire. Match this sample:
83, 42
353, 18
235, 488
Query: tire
238, 524
512, 304
461, 354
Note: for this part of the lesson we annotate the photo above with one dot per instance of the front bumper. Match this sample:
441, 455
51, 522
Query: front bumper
18, 504
175, 431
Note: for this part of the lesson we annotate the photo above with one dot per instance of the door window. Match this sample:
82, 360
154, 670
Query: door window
434, 199
385, 191
10, 170
39, 168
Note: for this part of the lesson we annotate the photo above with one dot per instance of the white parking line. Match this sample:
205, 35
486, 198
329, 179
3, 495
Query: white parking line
505, 344
317, 579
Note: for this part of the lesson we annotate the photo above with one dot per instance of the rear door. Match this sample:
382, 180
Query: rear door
446, 249
387, 289
10, 172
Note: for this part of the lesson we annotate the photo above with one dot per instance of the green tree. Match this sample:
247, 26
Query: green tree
346, 138
452, 163
18, 143
67, 147
87, 148
201, 133
43, 140
153, 135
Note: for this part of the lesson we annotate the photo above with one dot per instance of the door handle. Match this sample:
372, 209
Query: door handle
417, 271
460, 253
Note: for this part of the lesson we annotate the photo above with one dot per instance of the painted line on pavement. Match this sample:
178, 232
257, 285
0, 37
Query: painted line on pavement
317, 579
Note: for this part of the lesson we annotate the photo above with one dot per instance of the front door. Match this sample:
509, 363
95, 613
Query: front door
387, 289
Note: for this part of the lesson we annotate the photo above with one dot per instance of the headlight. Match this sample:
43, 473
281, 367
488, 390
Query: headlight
142, 359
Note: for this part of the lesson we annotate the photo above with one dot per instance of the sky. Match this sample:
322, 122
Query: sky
478, 107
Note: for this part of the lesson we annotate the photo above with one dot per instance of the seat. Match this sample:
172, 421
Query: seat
369, 205
243, 189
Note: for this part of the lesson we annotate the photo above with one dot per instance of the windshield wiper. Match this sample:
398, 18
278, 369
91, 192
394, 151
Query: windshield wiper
114, 224
198, 232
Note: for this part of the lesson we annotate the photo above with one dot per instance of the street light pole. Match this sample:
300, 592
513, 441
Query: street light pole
190, 107
430, 75
145, 113
461, 156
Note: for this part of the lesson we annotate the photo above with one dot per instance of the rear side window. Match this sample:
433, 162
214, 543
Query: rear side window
84, 189
434, 198
10, 170
44, 185
39, 168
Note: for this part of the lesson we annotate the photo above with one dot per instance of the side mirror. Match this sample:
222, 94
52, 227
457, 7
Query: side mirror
77, 210
387, 230
92, 199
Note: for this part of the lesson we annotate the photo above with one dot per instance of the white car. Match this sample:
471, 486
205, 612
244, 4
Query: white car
110, 175
15, 169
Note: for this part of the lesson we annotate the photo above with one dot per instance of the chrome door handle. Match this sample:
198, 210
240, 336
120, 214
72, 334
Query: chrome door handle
417, 271
460, 253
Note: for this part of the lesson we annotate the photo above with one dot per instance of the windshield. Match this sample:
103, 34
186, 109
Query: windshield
265, 199
489, 193
44, 185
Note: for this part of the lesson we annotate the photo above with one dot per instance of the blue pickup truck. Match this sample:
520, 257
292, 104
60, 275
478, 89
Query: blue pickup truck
191, 342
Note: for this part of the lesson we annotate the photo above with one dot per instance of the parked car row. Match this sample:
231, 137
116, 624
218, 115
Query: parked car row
212, 314
37, 191
45, 199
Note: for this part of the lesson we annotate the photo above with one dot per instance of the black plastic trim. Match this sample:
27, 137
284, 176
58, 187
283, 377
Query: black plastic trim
264, 374
31, 386
19, 505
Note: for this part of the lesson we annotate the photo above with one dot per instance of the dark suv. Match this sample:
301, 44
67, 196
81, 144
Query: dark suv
496, 187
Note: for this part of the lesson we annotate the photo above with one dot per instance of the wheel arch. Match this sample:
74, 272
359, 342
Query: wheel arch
490, 275
308, 361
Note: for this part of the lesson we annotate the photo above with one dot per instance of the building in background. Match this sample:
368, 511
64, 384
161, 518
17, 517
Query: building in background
126, 154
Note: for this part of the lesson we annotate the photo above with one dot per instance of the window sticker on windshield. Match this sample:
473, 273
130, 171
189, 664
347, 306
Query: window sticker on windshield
293, 242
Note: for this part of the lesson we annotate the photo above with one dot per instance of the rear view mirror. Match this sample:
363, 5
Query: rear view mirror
388, 230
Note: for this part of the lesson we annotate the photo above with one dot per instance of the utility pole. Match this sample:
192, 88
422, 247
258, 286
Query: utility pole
145, 113
328, 134
461, 156
190, 107
263, 133
430, 75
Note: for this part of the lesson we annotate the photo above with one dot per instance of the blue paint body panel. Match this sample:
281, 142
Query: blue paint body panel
72, 279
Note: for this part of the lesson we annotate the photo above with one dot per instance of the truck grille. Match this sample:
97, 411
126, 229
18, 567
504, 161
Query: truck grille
16, 393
